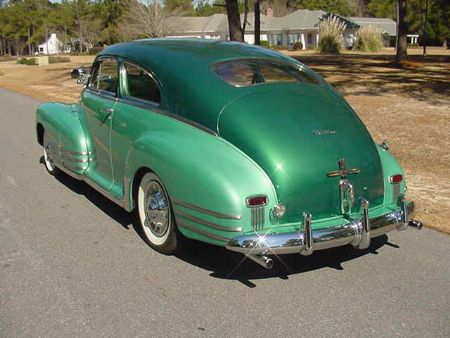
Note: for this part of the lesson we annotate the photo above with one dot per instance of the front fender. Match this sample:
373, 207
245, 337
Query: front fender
207, 179
64, 128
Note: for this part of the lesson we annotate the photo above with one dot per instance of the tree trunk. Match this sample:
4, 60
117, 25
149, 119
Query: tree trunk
80, 27
234, 20
29, 42
402, 31
424, 28
257, 23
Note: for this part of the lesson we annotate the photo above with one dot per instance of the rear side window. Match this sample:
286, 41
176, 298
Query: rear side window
141, 84
246, 72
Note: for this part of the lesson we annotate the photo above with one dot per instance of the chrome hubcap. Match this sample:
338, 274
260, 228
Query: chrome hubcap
48, 159
156, 209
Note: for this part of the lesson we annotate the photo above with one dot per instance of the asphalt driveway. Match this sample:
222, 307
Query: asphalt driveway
71, 265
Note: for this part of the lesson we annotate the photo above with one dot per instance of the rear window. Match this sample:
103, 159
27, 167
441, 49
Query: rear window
249, 72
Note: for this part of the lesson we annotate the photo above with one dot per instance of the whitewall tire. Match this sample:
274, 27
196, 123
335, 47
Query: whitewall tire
155, 216
52, 169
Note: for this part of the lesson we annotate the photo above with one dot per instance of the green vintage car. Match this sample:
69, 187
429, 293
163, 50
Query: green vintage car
226, 143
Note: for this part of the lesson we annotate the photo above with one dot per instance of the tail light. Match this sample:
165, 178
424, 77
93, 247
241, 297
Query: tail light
257, 201
395, 179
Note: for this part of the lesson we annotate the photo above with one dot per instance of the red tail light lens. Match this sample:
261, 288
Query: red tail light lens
257, 201
394, 179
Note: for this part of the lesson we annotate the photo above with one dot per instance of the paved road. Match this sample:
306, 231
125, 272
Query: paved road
71, 265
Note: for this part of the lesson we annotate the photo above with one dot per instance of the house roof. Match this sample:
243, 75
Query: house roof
216, 23
188, 24
386, 25
300, 19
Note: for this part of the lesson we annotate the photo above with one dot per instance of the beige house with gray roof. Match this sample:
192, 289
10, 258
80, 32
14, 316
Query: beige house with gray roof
301, 25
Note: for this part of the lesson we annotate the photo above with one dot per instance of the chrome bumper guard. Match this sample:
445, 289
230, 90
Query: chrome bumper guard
358, 233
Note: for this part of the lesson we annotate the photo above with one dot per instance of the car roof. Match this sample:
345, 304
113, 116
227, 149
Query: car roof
182, 67
195, 50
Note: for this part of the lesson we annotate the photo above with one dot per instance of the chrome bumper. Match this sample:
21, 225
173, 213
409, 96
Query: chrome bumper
358, 233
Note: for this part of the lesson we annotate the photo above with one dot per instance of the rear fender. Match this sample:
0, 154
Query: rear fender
391, 167
206, 177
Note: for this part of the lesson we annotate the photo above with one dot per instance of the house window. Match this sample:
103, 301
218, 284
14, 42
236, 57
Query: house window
277, 39
293, 38
309, 38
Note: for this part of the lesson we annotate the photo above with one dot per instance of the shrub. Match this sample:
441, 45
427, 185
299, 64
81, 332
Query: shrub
298, 45
28, 62
369, 39
58, 59
330, 35
264, 43
95, 50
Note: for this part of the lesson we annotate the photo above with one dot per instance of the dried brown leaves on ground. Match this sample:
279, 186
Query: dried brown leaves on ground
410, 109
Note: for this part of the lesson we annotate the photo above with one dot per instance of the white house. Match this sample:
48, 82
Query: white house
51, 46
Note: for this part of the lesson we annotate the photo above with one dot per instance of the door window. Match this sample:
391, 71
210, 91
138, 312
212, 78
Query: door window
141, 84
105, 76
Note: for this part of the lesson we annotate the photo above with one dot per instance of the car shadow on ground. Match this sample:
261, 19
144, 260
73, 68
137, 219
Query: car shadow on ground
224, 264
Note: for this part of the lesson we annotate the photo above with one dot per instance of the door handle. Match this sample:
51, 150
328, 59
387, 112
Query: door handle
104, 114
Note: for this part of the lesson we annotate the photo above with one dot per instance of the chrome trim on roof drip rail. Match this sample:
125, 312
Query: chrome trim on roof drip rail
205, 211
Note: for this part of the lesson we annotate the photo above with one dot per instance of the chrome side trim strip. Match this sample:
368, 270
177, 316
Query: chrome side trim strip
68, 151
126, 194
103, 192
93, 185
71, 173
207, 223
78, 160
192, 228
205, 211
74, 166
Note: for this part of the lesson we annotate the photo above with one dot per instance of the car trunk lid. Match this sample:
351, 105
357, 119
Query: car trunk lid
298, 135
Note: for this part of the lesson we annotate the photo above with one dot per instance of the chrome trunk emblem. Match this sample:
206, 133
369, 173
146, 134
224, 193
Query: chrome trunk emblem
324, 132
343, 171
346, 192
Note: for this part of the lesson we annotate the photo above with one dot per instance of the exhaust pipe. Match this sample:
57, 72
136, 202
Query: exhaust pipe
262, 260
417, 224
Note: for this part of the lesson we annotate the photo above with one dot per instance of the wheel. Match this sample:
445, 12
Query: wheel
155, 216
52, 169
